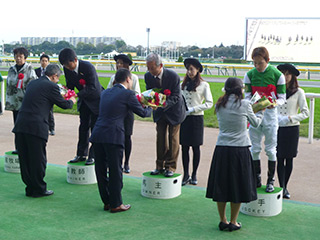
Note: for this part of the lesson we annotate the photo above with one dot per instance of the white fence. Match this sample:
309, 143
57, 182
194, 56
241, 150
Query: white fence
312, 97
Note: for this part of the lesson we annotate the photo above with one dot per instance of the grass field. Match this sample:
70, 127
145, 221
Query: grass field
76, 212
210, 119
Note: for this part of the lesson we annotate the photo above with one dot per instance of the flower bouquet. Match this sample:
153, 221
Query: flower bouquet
66, 93
154, 98
259, 103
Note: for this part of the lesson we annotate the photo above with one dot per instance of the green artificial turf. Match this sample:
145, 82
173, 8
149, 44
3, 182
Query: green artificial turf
76, 212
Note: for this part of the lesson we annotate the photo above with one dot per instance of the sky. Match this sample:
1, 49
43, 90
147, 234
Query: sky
203, 23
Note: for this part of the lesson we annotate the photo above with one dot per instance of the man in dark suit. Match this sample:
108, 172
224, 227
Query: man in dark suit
31, 129
83, 76
108, 138
44, 62
168, 119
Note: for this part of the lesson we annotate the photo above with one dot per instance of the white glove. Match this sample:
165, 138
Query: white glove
283, 120
190, 110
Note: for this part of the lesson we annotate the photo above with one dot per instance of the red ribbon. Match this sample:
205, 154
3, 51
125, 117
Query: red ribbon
20, 80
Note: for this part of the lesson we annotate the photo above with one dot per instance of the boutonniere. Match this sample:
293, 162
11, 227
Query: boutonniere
82, 82
167, 92
20, 80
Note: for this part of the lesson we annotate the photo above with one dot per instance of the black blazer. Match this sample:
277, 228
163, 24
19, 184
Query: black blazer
38, 72
90, 94
175, 110
114, 106
33, 115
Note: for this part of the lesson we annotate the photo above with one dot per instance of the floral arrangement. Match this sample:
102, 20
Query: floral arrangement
66, 93
154, 97
20, 80
259, 103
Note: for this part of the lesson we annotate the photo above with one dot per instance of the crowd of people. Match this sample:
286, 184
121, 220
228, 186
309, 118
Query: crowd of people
107, 120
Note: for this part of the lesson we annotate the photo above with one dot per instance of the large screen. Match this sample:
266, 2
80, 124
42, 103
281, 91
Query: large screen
287, 39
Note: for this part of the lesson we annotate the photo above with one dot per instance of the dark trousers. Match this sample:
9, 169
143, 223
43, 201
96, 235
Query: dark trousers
33, 162
109, 156
51, 120
15, 116
167, 145
87, 122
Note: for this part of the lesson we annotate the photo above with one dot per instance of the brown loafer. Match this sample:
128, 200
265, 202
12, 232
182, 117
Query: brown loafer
106, 207
121, 208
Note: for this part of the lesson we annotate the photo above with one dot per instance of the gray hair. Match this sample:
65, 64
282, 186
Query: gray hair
53, 69
154, 57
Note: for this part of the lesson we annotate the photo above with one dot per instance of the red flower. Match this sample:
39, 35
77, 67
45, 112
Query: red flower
157, 100
167, 92
82, 82
20, 76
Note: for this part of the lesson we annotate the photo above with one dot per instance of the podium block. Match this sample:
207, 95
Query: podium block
267, 204
160, 187
79, 173
11, 162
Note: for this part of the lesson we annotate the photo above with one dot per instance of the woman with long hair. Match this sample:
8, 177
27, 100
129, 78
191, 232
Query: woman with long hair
198, 98
289, 120
231, 178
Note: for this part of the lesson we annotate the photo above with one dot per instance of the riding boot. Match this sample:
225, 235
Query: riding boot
257, 172
271, 171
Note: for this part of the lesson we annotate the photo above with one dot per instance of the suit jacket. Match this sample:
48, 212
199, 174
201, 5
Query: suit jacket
33, 115
90, 93
38, 72
175, 110
114, 106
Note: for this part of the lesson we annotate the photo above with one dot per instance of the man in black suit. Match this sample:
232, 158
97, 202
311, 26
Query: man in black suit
108, 138
83, 76
168, 119
31, 129
44, 62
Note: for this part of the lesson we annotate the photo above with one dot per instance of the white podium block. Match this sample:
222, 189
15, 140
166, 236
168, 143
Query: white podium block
11, 163
79, 173
267, 204
160, 187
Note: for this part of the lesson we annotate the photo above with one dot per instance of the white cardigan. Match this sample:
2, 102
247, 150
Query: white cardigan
199, 100
289, 112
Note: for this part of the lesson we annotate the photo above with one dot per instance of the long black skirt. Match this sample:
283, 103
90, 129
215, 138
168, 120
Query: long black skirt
231, 177
191, 131
288, 139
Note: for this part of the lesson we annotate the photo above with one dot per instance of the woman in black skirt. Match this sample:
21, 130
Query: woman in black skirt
231, 178
289, 121
198, 97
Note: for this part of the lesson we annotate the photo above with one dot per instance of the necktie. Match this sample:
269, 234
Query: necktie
158, 85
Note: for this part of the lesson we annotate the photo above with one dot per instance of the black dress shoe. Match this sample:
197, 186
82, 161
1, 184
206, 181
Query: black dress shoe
106, 207
78, 159
156, 172
286, 194
126, 169
45, 194
223, 226
168, 173
185, 181
233, 227
194, 180
89, 161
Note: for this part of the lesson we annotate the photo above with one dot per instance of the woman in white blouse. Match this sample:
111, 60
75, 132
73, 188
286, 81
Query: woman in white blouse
289, 121
198, 98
